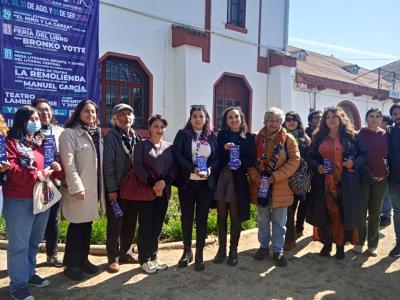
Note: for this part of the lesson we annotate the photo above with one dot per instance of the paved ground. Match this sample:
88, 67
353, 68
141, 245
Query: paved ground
308, 276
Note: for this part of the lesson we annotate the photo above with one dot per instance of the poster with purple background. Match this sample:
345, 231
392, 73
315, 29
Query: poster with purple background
49, 49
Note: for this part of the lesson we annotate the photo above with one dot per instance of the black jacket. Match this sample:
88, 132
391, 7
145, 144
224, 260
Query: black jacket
309, 132
352, 194
247, 157
393, 134
183, 159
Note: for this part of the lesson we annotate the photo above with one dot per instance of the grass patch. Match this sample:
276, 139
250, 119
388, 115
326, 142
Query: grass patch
171, 230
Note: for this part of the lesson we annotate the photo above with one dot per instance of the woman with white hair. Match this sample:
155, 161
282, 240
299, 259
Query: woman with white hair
277, 158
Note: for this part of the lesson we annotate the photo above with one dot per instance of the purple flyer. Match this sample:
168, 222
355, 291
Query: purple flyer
202, 164
234, 156
264, 187
3, 152
328, 165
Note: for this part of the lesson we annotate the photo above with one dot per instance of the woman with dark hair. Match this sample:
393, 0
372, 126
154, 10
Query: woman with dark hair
81, 152
195, 141
335, 201
295, 127
156, 155
232, 193
25, 230
376, 142
50, 127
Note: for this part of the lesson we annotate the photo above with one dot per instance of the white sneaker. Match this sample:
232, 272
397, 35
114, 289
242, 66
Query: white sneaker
149, 268
373, 252
159, 264
357, 249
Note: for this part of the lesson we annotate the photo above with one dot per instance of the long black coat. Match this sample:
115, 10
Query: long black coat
352, 195
183, 159
247, 151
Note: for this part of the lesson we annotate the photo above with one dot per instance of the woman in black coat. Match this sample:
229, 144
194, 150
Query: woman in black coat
195, 187
294, 126
232, 193
335, 203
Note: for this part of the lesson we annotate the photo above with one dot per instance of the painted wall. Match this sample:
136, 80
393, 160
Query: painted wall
180, 78
301, 100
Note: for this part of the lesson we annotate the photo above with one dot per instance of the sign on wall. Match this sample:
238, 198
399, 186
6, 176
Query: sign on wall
49, 49
394, 94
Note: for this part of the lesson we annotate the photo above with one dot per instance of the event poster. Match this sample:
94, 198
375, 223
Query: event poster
49, 49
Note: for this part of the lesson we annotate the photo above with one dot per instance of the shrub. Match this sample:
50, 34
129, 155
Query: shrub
171, 230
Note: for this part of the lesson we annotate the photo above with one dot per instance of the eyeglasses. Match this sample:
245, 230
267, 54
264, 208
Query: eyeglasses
316, 117
291, 119
197, 106
46, 110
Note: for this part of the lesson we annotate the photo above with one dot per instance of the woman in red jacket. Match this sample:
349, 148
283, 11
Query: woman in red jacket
25, 151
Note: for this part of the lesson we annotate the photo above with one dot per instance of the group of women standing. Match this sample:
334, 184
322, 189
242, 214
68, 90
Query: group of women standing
334, 204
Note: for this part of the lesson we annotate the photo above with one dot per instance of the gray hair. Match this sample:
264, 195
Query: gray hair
274, 111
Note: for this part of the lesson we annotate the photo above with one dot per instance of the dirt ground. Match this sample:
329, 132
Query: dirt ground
307, 276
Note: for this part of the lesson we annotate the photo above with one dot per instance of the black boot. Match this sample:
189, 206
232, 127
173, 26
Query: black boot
233, 254
326, 250
198, 262
340, 252
88, 267
74, 273
187, 256
221, 254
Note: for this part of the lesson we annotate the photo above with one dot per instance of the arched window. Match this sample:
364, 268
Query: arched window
352, 113
231, 90
124, 80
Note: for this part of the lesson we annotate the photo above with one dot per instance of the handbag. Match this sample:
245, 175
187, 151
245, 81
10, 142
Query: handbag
300, 181
366, 175
132, 188
45, 195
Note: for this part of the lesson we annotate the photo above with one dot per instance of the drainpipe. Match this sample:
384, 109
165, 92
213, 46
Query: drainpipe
164, 104
286, 32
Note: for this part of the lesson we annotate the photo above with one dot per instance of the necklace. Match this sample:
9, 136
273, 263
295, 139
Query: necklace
157, 146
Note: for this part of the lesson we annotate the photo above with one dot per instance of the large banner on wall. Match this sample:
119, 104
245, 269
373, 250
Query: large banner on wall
49, 49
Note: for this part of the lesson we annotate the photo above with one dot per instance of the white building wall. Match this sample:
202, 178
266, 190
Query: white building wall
180, 78
302, 101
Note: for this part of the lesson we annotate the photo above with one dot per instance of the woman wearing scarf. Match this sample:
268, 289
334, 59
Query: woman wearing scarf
25, 230
276, 166
50, 128
295, 127
81, 152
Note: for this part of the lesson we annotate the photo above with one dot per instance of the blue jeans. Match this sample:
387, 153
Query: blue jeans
278, 218
25, 232
394, 192
387, 205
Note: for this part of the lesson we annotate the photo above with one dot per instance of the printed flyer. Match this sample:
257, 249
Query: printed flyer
49, 49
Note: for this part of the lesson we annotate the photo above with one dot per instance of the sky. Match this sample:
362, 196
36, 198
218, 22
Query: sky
362, 32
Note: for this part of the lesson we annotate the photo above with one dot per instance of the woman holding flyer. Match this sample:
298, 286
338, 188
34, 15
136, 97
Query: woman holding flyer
295, 127
25, 230
237, 151
197, 158
81, 152
51, 130
269, 183
335, 203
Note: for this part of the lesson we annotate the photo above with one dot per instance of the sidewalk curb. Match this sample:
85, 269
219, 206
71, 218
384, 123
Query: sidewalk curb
101, 249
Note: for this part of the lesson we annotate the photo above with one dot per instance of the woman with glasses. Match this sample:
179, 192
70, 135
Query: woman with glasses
295, 127
232, 193
273, 166
197, 158
50, 127
335, 203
